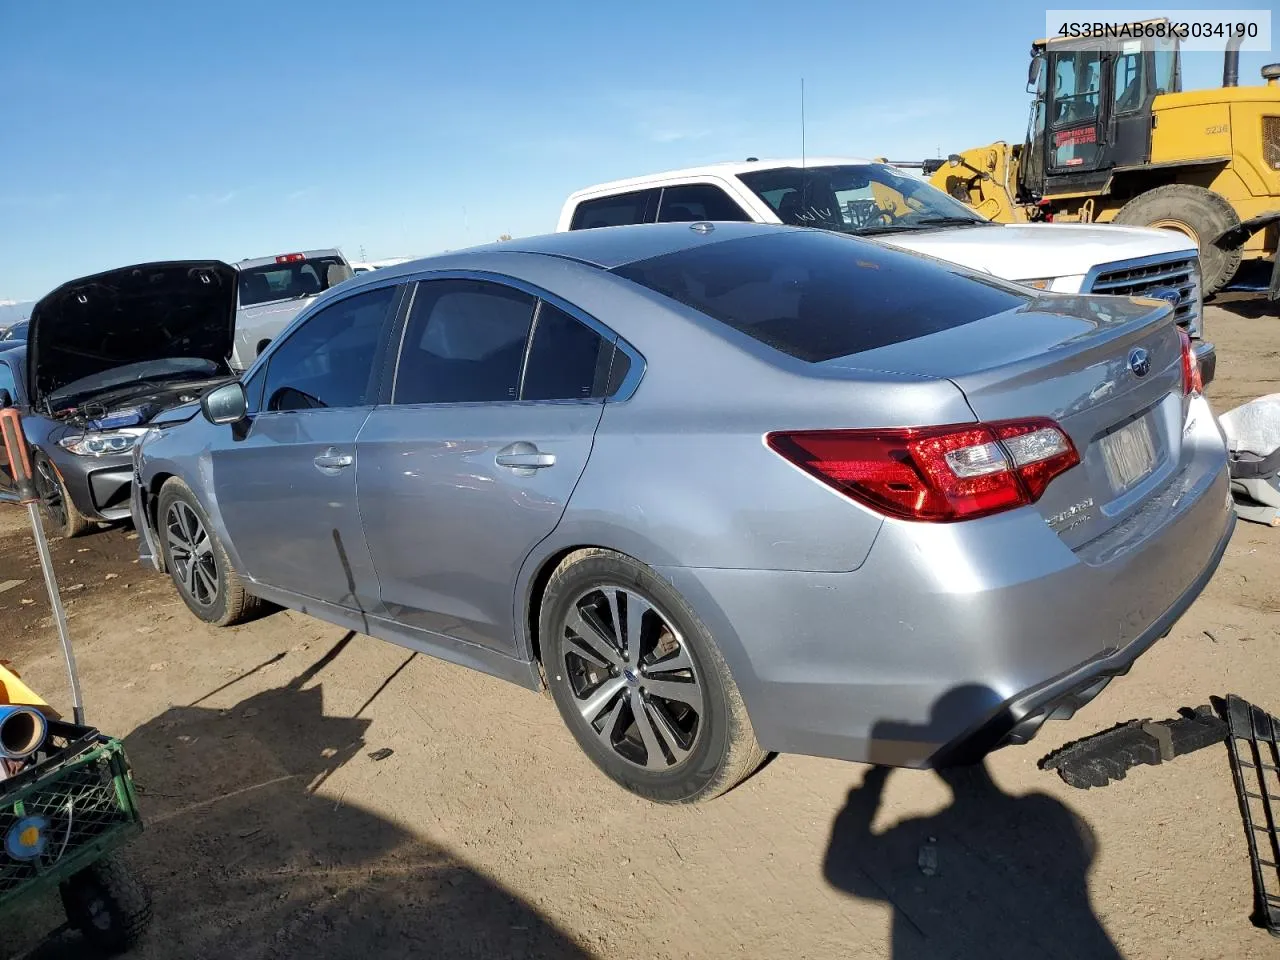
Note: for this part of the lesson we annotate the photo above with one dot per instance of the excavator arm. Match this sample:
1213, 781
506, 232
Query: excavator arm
985, 178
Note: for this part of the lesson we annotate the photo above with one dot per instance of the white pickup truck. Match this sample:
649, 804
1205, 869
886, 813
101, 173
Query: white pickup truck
883, 203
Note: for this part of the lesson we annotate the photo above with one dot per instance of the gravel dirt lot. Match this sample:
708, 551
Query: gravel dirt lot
486, 833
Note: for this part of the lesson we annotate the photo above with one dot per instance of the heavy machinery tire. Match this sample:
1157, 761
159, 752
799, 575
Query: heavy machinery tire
1196, 212
108, 905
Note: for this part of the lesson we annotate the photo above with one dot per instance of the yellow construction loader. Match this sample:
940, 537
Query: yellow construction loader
1113, 138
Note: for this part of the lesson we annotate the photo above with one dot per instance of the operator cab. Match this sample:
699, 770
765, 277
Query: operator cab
1092, 111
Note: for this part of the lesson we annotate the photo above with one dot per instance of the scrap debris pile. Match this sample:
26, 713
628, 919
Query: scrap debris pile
1252, 737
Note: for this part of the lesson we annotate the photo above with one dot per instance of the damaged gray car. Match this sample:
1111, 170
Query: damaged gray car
104, 355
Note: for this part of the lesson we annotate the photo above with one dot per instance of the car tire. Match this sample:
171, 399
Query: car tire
58, 511
689, 743
196, 560
1198, 214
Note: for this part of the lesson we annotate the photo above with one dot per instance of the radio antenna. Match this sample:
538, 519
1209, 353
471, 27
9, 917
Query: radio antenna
802, 154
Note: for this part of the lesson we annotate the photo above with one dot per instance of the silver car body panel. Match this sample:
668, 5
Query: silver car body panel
849, 634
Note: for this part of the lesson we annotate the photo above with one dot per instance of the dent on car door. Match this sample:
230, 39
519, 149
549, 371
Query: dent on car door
286, 480
496, 399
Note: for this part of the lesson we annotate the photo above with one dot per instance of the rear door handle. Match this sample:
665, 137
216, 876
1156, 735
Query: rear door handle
332, 460
523, 455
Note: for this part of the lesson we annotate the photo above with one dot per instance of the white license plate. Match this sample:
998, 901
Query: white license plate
1128, 454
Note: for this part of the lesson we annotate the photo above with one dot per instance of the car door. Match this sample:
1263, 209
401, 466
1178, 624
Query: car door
494, 406
286, 481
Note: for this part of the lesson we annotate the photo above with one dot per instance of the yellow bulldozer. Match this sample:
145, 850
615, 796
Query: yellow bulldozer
1113, 138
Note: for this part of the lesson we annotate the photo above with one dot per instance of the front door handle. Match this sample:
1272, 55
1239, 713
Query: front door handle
523, 455
331, 460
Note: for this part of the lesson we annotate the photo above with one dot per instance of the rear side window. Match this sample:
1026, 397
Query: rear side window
698, 201
817, 295
464, 343
567, 359
616, 211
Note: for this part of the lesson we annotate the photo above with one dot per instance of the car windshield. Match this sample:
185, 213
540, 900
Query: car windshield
17, 332
285, 281
856, 198
148, 371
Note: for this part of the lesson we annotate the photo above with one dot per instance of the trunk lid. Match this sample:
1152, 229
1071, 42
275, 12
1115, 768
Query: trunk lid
136, 315
1076, 360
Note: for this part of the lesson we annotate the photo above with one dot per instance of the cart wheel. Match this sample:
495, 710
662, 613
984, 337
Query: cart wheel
108, 905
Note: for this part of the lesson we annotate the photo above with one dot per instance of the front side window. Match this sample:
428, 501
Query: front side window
863, 198
464, 343
1077, 80
328, 361
1128, 90
286, 281
615, 211
698, 201
1166, 64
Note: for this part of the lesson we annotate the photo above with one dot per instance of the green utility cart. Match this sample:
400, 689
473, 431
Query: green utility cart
69, 803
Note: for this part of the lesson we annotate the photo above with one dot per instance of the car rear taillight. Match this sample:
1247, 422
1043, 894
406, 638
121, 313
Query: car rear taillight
938, 474
1192, 381
290, 258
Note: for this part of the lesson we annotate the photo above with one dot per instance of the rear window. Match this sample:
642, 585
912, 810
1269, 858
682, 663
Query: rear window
817, 295
617, 210
285, 281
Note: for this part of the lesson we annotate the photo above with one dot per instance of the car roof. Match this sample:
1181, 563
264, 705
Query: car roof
603, 247
727, 168
271, 260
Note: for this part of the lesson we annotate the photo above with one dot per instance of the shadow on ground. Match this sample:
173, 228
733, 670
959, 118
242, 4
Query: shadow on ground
245, 861
991, 876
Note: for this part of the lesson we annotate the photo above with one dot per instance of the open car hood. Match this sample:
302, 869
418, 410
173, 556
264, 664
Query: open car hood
145, 312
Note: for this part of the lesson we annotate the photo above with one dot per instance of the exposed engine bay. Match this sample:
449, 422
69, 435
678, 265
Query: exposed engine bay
118, 409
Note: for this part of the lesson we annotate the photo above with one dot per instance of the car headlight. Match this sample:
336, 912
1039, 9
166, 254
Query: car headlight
1044, 283
102, 444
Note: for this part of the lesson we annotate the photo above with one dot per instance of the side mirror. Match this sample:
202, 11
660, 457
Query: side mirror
336, 273
6, 399
1033, 72
225, 404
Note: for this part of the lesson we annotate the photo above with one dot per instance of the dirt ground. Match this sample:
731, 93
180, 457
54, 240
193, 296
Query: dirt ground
486, 833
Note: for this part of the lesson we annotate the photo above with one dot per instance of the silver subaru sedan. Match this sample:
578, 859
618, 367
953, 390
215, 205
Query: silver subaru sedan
726, 489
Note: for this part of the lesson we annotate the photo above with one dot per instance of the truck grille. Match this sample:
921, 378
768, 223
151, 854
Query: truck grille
1137, 278
1271, 142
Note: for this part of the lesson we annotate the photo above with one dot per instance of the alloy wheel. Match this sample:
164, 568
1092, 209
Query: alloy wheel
191, 551
632, 677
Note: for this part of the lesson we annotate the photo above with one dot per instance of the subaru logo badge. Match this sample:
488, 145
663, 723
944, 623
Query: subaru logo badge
1139, 362
1167, 294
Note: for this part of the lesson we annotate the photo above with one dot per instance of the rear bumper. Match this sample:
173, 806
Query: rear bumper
1020, 719
956, 638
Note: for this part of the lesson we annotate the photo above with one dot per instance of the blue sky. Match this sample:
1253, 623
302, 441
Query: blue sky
144, 130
